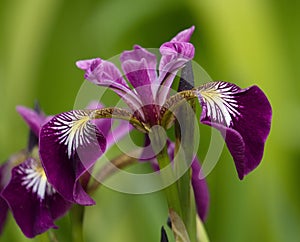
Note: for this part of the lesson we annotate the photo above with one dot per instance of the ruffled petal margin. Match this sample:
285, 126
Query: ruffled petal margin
243, 116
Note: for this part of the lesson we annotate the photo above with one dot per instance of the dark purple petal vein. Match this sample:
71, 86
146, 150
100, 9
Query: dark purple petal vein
243, 116
70, 144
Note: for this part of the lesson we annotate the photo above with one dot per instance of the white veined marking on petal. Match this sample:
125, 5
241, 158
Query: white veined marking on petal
74, 130
221, 104
34, 179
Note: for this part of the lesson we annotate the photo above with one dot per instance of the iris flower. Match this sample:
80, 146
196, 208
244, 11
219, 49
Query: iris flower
70, 143
24, 188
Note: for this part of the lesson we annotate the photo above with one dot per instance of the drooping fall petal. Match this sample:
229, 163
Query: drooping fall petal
34, 203
70, 144
3, 204
244, 118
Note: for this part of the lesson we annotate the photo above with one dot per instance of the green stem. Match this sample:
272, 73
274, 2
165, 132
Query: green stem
52, 236
44, 238
184, 155
77, 215
171, 191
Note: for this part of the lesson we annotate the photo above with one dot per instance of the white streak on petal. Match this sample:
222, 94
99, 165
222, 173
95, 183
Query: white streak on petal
74, 129
34, 179
220, 102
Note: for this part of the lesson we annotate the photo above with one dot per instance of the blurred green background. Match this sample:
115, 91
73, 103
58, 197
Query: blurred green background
246, 42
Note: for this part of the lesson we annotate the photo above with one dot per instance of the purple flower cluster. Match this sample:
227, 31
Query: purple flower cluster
25, 190
53, 175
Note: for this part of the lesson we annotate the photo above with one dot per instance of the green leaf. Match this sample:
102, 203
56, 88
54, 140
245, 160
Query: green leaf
178, 227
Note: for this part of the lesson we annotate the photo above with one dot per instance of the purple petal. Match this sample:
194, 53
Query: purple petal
200, 190
138, 75
3, 204
34, 119
103, 125
244, 118
139, 59
88, 66
70, 144
3, 213
34, 212
148, 153
94, 105
178, 46
106, 74
103, 73
174, 56
184, 36
139, 66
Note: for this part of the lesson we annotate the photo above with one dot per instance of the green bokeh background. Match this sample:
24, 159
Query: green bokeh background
246, 42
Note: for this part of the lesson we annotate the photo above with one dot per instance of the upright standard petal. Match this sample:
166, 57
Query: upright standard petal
139, 66
137, 55
138, 75
70, 144
39, 205
174, 56
184, 35
175, 47
244, 118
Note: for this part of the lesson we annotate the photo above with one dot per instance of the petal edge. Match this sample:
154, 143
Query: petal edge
243, 116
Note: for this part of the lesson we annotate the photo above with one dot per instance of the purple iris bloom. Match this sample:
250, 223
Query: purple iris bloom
24, 187
71, 142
